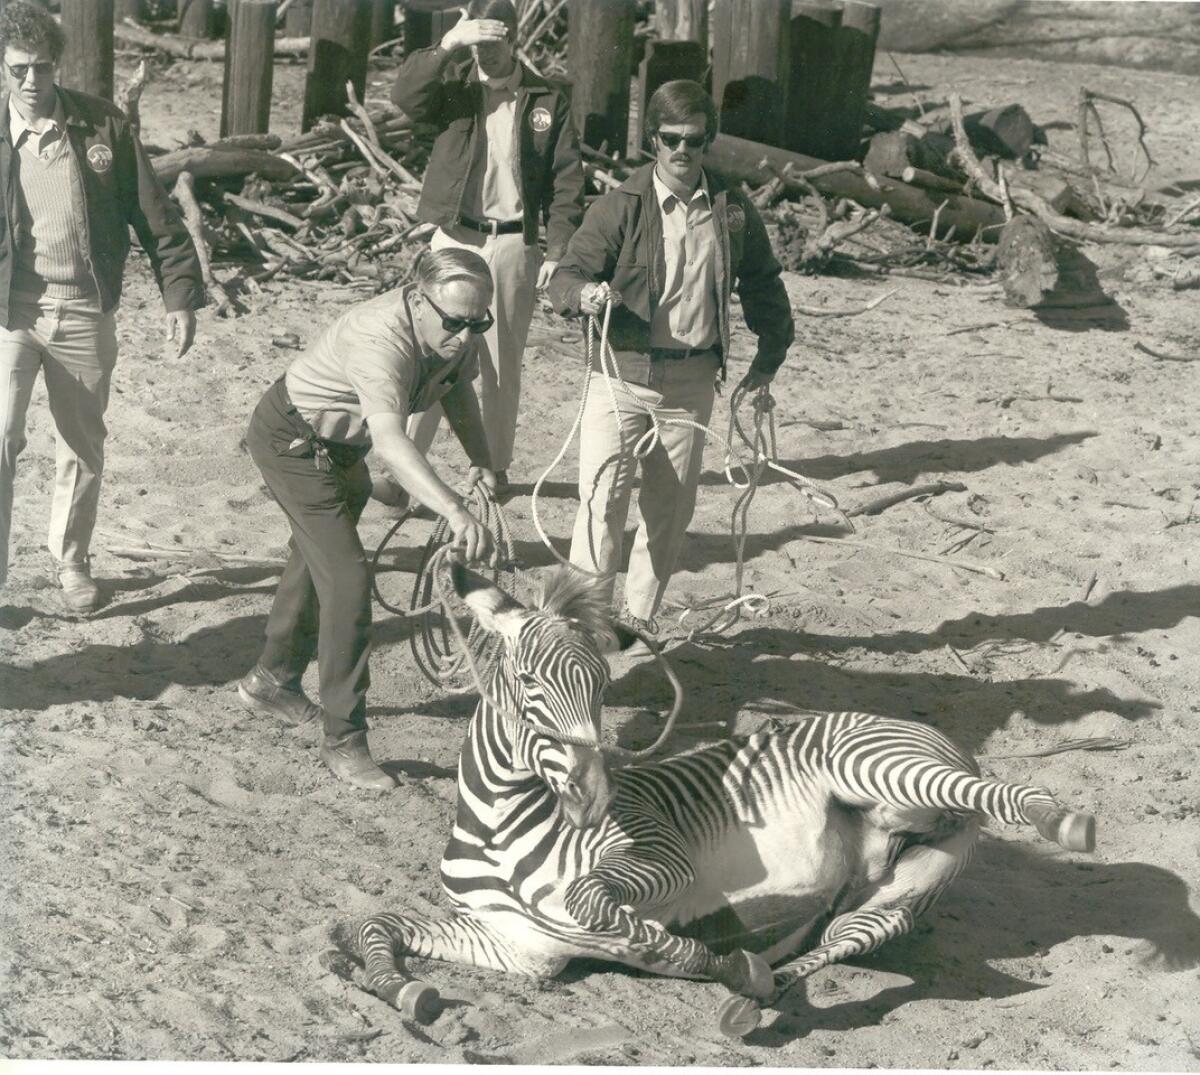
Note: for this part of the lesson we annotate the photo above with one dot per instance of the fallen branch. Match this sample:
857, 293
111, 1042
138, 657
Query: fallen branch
874, 507
817, 311
1008, 400
1159, 354
185, 195
155, 552
980, 569
261, 209
130, 33
131, 94
204, 162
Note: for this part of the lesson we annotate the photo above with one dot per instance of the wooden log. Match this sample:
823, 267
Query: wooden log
854, 62
1028, 262
188, 49
811, 105
663, 61
195, 18
1004, 132
205, 162
297, 20
424, 27
755, 163
600, 58
917, 177
338, 53
751, 61
890, 152
87, 59
249, 55
682, 20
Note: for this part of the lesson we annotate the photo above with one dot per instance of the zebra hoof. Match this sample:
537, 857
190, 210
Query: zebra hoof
738, 1016
1069, 829
419, 1001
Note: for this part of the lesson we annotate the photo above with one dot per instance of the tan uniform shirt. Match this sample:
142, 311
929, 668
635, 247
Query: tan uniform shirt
369, 361
493, 189
686, 315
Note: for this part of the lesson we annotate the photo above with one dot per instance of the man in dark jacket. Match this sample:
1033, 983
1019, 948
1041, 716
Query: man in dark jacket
666, 249
506, 156
73, 179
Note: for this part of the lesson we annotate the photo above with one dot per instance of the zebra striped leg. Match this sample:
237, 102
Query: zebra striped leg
455, 940
599, 903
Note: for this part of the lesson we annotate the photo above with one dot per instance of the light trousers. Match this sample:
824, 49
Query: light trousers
74, 344
514, 269
678, 388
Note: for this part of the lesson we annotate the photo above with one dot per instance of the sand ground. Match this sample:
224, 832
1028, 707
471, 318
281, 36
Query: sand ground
173, 868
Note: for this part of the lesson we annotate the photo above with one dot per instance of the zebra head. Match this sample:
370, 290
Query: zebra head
552, 675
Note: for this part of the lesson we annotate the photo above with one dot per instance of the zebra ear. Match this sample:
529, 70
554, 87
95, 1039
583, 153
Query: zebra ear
493, 608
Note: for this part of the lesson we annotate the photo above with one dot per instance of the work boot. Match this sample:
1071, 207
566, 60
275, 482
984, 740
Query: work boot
80, 593
261, 693
349, 759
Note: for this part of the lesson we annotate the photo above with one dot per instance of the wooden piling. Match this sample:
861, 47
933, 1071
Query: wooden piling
195, 18
600, 59
297, 22
751, 62
682, 20
813, 39
337, 54
249, 62
130, 9
383, 21
87, 59
423, 28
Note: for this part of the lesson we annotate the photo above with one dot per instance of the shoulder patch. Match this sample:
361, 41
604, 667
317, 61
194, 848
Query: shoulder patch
735, 217
540, 119
100, 158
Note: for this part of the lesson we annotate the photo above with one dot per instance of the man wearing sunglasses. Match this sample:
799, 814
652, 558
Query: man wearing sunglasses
505, 158
667, 249
73, 180
352, 391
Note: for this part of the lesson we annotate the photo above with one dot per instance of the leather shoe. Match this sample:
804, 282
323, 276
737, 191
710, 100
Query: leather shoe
349, 759
80, 592
264, 694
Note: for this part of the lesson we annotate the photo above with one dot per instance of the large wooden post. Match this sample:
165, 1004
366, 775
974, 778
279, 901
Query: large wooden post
600, 59
682, 20
87, 60
811, 105
195, 18
425, 28
297, 22
249, 62
664, 61
337, 54
856, 61
383, 21
750, 67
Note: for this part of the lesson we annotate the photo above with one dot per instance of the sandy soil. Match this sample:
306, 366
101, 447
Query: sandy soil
173, 869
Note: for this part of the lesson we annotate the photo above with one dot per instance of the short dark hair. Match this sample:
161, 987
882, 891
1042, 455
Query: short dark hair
501, 10
678, 101
30, 27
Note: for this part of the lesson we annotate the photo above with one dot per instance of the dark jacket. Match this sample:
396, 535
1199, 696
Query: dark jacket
430, 89
620, 241
121, 191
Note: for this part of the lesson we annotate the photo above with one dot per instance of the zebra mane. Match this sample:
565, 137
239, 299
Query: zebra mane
573, 596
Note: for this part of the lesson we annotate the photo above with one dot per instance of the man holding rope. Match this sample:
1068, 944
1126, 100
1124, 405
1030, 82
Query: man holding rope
666, 249
354, 390
505, 157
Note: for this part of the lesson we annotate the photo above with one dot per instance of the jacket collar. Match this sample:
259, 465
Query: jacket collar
641, 183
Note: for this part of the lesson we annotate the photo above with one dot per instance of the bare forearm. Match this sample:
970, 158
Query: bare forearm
411, 469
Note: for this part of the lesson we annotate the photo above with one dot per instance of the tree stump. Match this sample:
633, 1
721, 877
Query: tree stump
337, 54
423, 27
811, 105
751, 63
1027, 258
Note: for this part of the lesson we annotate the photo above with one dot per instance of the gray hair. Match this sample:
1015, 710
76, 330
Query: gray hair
436, 268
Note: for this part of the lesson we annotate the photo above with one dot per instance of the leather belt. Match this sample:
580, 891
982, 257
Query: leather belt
493, 227
673, 354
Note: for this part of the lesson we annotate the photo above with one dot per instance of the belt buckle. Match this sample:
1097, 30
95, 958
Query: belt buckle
495, 226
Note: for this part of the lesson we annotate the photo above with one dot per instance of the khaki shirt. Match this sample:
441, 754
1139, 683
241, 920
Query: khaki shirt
493, 189
687, 312
368, 362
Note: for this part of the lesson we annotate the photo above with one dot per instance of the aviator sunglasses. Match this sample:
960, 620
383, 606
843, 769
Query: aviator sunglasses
457, 324
20, 70
672, 140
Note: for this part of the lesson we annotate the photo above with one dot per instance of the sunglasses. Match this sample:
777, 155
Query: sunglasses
457, 324
20, 70
692, 141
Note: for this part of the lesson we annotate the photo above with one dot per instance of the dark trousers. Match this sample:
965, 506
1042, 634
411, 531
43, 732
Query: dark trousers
323, 604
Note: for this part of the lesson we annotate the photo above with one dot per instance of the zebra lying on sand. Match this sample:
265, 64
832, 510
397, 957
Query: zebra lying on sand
754, 862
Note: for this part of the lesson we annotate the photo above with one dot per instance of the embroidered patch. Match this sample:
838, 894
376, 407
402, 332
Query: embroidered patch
539, 119
100, 158
735, 217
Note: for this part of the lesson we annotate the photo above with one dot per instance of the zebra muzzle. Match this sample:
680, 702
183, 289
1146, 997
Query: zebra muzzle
586, 792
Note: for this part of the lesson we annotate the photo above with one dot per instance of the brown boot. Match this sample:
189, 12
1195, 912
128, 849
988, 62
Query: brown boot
349, 759
264, 694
